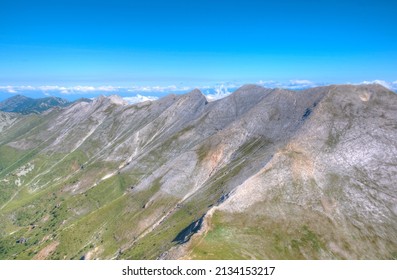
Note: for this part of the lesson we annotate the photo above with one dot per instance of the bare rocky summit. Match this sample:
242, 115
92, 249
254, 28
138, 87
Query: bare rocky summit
260, 174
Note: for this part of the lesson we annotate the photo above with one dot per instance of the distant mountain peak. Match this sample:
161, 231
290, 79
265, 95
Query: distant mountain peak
26, 105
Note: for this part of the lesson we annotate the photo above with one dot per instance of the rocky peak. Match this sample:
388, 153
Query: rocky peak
116, 99
195, 94
111, 99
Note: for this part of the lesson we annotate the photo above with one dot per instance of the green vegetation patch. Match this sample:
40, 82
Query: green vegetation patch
238, 236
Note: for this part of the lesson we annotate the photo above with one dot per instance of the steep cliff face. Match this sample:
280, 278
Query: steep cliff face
262, 173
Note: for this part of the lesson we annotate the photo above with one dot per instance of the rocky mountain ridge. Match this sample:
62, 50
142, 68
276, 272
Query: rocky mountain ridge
260, 174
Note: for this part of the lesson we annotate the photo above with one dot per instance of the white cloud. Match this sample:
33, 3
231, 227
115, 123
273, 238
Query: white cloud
107, 88
301, 82
220, 92
389, 85
139, 98
379, 82
394, 86
292, 84
48, 88
170, 88
269, 83
84, 89
8, 89
61, 89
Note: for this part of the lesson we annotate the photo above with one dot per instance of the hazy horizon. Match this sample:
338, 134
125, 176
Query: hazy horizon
135, 94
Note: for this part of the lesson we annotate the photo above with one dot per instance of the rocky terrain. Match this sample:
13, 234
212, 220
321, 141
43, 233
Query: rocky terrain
260, 174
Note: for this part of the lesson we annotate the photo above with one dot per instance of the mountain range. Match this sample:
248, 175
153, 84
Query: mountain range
25, 105
260, 174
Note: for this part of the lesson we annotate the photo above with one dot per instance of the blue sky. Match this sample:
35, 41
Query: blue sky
184, 44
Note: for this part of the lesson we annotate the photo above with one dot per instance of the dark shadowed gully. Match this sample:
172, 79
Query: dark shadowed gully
187, 232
